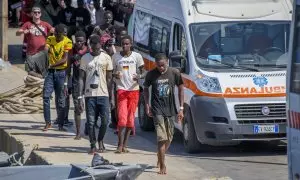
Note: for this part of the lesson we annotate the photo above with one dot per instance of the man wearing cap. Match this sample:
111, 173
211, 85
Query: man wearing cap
36, 32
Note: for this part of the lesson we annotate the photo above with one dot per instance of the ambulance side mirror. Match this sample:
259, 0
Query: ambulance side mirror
177, 61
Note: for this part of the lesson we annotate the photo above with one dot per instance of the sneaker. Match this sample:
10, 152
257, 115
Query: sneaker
47, 126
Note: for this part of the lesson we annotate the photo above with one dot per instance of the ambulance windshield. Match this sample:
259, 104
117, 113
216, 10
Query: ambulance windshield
247, 44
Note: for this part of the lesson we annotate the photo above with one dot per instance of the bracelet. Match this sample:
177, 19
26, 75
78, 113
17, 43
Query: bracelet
181, 108
79, 97
65, 84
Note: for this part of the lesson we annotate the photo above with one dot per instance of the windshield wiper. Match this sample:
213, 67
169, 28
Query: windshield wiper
236, 67
271, 65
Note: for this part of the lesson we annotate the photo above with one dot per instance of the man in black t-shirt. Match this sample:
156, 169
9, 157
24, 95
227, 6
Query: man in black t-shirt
77, 52
163, 80
82, 17
65, 16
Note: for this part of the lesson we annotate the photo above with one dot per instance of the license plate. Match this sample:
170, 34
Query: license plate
257, 129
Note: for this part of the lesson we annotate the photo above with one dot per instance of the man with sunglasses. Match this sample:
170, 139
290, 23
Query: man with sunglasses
36, 32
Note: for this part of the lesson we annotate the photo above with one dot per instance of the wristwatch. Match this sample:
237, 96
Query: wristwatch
181, 108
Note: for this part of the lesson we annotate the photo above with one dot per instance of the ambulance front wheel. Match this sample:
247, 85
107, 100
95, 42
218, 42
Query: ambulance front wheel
191, 143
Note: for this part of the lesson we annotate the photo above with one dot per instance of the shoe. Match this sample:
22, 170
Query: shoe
62, 129
55, 122
47, 126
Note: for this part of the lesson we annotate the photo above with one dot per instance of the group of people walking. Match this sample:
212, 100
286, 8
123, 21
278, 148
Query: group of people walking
90, 64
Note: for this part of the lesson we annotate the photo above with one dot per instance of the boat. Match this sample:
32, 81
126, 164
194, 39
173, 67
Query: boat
101, 169
72, 172
11, 160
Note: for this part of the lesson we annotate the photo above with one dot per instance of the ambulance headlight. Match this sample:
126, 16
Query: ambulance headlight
208, 84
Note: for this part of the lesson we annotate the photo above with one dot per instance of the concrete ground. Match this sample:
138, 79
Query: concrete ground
250, 161
56, 147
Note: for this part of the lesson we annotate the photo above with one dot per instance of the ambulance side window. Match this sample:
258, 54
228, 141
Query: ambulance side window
141, 31
159, 36
179, 42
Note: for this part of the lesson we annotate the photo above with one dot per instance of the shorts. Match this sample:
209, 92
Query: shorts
164, 127
127, 102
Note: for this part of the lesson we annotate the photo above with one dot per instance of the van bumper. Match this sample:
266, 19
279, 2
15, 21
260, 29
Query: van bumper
214, 125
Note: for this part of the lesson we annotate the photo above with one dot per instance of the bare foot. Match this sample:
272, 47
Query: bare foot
101, 147
119, 150
78, 137
162, 170
92, 151
125, 150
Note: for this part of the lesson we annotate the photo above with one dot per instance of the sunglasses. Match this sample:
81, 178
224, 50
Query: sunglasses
36, 12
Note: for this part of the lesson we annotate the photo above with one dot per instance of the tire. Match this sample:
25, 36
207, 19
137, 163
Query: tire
146, 123
191, 143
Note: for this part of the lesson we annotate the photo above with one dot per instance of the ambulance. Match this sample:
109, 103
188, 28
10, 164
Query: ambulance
233, 57
293, 98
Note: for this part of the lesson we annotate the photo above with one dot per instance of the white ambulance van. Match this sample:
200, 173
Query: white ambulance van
233, 58
293, 99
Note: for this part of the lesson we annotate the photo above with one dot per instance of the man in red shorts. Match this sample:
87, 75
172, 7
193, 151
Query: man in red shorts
129, 68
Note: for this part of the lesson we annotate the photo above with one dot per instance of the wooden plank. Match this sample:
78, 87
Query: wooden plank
3, 29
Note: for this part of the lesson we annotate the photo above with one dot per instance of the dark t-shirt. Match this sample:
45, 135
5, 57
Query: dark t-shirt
162, 93
82, 17
75, 62
66, 17
47, 12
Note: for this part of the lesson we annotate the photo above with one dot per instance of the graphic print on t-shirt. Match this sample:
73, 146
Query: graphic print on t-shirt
163, 87
34, 31
126, 64
79, 21
68, 16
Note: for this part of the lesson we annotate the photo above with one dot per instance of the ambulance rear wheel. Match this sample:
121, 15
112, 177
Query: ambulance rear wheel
146, 122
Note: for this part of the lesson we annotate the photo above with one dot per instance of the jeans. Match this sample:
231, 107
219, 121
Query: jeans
95, 107
54, 81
